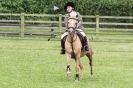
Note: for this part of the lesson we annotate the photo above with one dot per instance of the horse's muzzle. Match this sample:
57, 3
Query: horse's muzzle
71, 29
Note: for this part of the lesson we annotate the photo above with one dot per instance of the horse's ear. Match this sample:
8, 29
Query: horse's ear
77, 16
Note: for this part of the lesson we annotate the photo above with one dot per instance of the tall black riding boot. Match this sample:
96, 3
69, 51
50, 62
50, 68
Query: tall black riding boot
62, 47
86, 44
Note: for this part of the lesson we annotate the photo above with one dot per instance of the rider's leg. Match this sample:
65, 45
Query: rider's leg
86, 44
63, 43
85, 39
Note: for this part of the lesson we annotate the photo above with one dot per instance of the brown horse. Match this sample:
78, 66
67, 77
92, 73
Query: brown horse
73, 45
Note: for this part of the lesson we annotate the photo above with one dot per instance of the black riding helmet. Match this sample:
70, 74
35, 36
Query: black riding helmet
69, 4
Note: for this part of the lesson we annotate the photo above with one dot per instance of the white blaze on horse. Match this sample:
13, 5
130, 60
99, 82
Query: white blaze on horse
74, 47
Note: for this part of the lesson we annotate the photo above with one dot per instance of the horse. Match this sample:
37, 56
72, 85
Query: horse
73, 46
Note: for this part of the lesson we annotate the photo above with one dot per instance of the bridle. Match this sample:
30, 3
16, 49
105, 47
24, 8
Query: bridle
72, 30
75, 25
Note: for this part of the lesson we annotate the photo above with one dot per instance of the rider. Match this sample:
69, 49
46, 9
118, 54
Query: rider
70, 8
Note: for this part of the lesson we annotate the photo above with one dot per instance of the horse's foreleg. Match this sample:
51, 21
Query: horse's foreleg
89, 55
68, 70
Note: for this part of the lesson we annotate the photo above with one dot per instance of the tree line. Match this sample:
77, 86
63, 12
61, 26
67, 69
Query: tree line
85, 7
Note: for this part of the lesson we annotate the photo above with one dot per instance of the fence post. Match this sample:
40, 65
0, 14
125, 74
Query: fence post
22, 25
60, 22
97, 23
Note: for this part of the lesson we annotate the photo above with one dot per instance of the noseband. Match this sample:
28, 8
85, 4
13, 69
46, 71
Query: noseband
74, 28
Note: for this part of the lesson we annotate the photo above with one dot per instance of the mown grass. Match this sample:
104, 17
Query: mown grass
36, 63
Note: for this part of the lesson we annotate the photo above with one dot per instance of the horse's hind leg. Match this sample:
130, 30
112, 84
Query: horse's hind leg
77, 70
89, 55
77, 60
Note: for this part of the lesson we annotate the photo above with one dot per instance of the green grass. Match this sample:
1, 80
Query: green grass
36, 63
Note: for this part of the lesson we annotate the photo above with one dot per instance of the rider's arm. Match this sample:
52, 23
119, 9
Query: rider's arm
65, 21
79, 25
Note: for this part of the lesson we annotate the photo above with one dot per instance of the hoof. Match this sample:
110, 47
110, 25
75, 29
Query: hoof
76, 80
76, 77
91, 73
68, 74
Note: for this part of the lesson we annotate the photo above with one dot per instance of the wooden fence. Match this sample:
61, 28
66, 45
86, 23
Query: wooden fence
59, 21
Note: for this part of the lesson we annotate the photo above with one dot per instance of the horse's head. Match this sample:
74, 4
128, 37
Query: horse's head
72, 22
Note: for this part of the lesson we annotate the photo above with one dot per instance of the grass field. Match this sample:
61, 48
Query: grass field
36, 63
